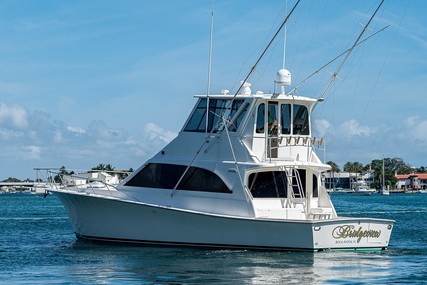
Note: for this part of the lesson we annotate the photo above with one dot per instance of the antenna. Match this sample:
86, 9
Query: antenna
209, 68
284, 38
283, 72
266, 48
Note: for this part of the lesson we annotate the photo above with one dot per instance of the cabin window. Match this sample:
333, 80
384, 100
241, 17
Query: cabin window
271, 184
217, 109
315, 187
260, 118
285, 119
166, 176
300, 120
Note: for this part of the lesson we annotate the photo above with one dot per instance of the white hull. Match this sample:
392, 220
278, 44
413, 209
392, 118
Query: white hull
133, 222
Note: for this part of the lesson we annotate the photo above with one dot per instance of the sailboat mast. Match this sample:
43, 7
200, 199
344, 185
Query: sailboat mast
383, 175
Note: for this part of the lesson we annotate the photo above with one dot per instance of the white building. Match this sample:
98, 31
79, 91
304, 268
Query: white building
81, 179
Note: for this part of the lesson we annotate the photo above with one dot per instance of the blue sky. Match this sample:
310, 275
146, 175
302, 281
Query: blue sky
89, 82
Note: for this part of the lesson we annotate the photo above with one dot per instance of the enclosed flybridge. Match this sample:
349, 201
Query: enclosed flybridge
243, 172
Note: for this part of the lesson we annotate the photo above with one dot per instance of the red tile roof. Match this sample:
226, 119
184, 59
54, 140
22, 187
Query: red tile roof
406, 176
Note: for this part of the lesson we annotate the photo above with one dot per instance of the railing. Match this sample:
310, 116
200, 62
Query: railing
267, 148
77, 180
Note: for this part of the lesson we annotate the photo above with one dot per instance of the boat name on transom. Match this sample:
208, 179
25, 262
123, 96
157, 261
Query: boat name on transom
350, 231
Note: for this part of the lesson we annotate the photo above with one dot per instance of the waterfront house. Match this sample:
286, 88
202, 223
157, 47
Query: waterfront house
413, 181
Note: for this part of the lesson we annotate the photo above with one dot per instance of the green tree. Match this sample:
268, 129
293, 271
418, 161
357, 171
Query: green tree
353, 167
392, 166
421, 169
62, 171
11, 179
104, 167
335, 167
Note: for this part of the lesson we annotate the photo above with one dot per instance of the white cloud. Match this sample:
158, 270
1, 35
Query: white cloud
8, 134
353, 128
32, 152
322, 127
414, 129
58, 137
153, 131
13, 116
76, 130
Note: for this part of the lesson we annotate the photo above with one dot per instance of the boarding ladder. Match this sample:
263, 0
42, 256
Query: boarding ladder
295, 188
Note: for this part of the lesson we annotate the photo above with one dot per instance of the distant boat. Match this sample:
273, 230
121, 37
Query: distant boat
362, 188
424, 191
385, 191
341, 191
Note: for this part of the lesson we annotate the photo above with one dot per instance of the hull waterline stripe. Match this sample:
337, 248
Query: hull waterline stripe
216, 246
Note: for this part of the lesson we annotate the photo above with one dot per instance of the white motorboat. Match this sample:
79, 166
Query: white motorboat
242, 173
341, 191
362, 189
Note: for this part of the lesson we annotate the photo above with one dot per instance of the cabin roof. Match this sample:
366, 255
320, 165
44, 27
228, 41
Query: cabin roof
259, 96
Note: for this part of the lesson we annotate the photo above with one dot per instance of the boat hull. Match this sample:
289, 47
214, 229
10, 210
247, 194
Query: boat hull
109, 219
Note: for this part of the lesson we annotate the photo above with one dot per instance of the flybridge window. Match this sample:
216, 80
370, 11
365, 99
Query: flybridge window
293, 119
218, 109
300, 120
285, 120
239, 118
260, 119
166, 176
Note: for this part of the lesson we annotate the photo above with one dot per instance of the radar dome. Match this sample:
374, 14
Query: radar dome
283, 77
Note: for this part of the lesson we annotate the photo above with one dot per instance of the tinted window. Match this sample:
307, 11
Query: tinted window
315, 187
260, 119
272, 118
217, 109
285, 120
197, 123
238, 120
300, 120
271, 184
166, 176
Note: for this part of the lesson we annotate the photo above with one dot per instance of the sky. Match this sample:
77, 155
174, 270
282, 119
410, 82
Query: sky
112, 81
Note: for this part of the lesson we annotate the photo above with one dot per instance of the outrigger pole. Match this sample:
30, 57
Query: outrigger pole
335, 58
334, 75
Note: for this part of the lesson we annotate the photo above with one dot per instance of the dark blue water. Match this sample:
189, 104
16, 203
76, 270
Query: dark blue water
37, 245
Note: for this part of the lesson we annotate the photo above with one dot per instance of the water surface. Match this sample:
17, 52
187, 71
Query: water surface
37, 245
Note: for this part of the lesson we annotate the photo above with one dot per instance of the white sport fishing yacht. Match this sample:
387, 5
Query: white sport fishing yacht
242, 173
